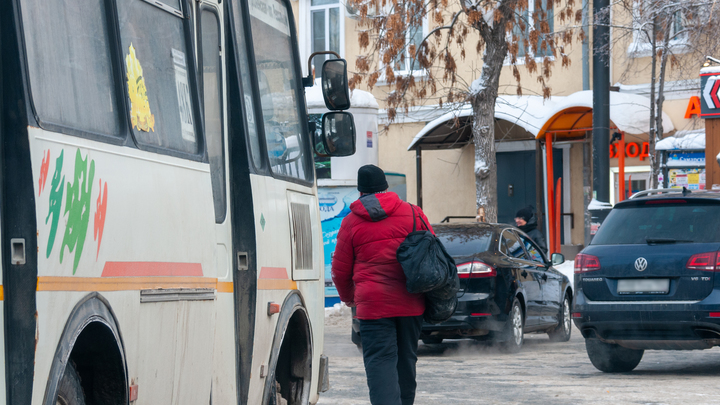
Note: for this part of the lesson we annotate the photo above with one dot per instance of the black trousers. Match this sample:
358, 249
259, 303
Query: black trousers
390, 353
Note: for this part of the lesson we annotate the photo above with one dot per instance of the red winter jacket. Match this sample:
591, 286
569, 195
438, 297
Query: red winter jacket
364, 267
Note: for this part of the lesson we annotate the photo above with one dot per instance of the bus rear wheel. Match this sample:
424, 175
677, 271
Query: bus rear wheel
70, 391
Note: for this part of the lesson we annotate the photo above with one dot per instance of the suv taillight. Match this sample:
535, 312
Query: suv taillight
585, 263
475, 269
709, 261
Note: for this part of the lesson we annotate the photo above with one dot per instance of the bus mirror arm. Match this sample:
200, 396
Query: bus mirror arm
309, 80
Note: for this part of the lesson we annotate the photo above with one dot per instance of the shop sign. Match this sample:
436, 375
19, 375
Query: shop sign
710, 102
632, 149
693, 107
686, 159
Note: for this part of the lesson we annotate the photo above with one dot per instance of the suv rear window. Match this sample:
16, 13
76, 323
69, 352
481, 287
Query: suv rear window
465, 241
683, 223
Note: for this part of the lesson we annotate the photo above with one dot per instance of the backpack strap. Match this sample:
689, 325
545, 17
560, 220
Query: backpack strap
413, 217
415, 220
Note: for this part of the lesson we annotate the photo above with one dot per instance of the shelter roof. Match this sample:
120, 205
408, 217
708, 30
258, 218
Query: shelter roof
563, 115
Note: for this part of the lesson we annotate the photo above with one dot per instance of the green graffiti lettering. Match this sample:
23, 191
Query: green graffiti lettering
56, 193
77, 208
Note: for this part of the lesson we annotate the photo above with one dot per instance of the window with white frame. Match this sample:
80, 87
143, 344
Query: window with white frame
530, 20
644, 13
326, 27
414, 35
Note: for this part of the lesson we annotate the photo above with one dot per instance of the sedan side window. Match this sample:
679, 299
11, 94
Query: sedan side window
513, 245
532, 250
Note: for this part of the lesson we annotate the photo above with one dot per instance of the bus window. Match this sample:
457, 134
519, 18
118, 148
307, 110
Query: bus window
212, 99
277, 81
69, 64
156, 62
249, 103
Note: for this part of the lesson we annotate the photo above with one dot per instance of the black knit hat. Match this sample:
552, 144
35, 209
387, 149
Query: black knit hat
371, 179
525, 213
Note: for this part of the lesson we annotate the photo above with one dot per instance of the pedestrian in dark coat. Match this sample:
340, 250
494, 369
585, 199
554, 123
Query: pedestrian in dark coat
527, 222
367, 274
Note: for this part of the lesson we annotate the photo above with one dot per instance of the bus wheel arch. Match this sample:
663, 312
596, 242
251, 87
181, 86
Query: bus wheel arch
290, 364
92, 345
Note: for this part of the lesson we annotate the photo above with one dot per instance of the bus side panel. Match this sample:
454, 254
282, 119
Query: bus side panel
150, 228
275, 277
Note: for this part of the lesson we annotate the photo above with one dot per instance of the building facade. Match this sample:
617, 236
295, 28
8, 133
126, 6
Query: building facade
448, 180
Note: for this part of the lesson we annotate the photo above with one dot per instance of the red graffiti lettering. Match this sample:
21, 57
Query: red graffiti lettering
99, 224
44, 171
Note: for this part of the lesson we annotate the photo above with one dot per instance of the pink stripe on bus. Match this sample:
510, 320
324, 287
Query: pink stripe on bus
145, 269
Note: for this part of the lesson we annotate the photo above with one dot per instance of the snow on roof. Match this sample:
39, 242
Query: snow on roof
710, 69
524, 111
629, 112
358, 98
683, 140
597, 205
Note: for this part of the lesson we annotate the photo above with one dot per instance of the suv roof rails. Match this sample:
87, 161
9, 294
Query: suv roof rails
647, 193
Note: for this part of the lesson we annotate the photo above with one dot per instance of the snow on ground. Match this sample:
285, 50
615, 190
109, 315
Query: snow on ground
337, 314
567, 269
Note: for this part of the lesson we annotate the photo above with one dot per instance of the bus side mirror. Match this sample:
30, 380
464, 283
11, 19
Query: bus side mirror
337, 136
335, 84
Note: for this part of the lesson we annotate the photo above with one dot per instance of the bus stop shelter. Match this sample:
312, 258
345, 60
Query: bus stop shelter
559, 119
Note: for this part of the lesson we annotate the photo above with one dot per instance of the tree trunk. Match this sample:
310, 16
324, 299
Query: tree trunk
652, 130
659, 130
483, 129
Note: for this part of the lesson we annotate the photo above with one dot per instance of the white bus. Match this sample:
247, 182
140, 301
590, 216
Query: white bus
159, 218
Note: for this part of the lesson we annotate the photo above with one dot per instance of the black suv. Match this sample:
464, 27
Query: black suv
647, 279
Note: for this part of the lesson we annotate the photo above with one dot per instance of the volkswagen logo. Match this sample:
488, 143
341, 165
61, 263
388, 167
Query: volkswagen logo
640, 264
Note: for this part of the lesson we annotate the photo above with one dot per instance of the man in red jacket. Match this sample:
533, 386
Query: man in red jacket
367, 274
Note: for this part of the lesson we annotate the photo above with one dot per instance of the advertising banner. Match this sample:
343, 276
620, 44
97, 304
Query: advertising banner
692, 179
334, 207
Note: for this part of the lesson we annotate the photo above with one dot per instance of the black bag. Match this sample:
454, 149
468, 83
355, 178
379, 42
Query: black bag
439, 311
425, 262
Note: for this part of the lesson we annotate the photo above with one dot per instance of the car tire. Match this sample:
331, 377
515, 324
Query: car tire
69, 390
612, 358
512, 336
432, 340
564, 329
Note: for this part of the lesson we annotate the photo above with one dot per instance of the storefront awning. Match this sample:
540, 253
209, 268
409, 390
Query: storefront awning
629, 113
564, 116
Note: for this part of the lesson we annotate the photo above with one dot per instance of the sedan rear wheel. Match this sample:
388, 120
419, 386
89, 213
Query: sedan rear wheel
612, 358
564, 329
512, 336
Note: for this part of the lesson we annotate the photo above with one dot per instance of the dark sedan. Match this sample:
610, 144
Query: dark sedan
507, 287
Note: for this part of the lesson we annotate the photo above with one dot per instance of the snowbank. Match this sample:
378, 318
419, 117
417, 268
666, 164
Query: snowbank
338, 310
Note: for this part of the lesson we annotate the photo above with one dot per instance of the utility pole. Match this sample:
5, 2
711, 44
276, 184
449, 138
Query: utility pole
601, 101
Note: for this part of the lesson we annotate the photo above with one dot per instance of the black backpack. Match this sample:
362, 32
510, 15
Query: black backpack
431, 270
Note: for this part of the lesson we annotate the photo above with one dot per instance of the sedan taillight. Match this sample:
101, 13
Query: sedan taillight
709, 261
475, 269
585, 263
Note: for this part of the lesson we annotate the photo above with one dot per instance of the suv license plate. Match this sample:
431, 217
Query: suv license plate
644, 286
